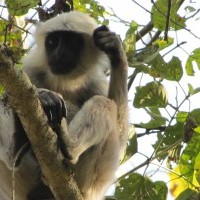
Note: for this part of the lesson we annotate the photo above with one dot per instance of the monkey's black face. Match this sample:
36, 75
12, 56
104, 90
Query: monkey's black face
63, 49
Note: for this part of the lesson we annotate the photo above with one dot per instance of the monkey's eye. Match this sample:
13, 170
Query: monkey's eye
51, 41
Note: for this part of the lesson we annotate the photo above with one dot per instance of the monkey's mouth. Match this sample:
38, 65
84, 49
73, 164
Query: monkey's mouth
60, 68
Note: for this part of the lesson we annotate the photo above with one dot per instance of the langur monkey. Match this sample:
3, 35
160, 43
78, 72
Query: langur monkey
87, 111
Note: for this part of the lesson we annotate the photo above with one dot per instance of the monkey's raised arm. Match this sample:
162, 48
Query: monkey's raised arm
110, 43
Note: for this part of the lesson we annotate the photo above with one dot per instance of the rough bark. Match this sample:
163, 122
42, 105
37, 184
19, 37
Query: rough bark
22, 97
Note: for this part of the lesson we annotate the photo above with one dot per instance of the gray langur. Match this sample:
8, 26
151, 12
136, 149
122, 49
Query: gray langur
87, 111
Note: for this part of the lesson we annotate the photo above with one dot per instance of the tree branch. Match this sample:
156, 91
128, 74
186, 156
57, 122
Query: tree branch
22, 97
144, 31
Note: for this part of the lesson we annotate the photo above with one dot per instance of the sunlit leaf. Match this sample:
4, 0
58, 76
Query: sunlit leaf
189, 67
181, 116
163, 44
193, 91
151, 95
179, 185
193, 58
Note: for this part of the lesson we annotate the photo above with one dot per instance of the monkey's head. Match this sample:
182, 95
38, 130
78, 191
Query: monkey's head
65, 46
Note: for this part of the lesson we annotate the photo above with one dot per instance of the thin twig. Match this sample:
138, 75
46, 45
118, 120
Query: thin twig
167, 20
144, 31
142, 7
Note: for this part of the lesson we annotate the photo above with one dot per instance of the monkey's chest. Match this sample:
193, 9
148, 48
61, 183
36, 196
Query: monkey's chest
71, 110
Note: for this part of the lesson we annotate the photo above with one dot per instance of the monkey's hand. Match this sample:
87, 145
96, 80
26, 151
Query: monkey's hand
53, 105
110, 43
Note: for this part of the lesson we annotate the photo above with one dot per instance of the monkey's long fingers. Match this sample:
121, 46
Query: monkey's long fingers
108, 42
53, 105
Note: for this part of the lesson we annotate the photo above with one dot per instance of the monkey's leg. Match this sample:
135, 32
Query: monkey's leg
90, 126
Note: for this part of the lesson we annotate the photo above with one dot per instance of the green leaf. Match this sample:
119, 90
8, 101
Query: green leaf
194, 116
190, 8
13, 38
131, 148
187, 194
129, 41
189, 67
193, 58
181, 116
172, 70
20, 7
188, 157
138, 187
151, 95
153, 123
159, 15
161, 188
193, 91
171, 135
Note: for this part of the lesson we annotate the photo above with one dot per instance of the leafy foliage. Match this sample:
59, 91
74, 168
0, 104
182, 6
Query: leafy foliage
92, 7
20, 7
129, 41
159, 16
151, 95
139, 187
190, 158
